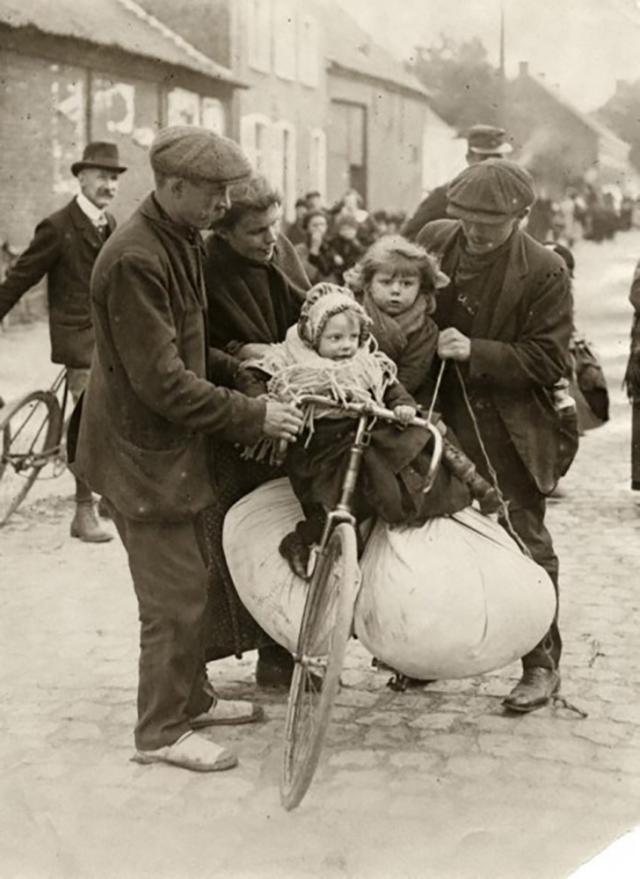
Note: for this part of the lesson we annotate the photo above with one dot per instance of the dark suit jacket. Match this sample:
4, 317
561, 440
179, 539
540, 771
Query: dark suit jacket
64, 248
151, 398
433, 207
520, 346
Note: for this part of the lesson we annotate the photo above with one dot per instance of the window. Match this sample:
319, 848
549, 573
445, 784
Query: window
188, 108
113, 107
308, 51
259, 23
283, 165
318, 160
212, 115
255, 139
284, 33
183, 107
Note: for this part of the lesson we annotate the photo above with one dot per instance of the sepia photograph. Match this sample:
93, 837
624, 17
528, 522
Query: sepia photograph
320, 439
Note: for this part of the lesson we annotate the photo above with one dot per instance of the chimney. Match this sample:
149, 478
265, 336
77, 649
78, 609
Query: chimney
523, 68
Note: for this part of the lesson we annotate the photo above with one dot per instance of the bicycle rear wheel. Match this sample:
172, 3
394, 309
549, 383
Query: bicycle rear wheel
325, 630
30, 432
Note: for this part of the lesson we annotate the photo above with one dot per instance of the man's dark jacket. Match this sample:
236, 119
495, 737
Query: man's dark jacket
64, 248
155, 390
433, 207
519, 345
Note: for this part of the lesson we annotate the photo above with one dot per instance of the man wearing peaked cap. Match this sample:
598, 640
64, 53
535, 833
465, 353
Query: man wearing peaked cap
198, 154
505, 322
483, 142
156, 394
490, 192
64, 247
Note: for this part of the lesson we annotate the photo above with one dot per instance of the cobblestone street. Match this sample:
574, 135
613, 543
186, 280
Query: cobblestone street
430, 784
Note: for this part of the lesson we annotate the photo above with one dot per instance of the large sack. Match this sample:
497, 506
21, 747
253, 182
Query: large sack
253, 529
451, 599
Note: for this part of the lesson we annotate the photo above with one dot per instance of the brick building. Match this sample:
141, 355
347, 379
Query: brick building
377, 115
71, 72
326, 108
277, 48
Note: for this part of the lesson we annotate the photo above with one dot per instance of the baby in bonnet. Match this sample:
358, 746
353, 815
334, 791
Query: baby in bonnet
331, 352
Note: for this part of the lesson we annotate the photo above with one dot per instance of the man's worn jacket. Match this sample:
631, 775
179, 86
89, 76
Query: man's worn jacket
519, 347
156, 388
64, 248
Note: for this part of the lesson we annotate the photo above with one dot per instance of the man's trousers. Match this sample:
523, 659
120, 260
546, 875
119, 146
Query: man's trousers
77, 382
170, 578
528, 523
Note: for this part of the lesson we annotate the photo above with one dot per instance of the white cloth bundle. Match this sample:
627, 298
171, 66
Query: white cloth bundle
451, 599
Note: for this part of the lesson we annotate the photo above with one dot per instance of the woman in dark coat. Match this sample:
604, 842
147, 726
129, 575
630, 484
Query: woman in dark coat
255, 285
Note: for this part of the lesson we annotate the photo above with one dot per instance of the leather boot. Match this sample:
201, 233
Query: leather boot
85, 524
534, 689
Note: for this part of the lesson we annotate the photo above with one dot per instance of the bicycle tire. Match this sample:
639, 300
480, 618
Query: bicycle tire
327, 623
30, 434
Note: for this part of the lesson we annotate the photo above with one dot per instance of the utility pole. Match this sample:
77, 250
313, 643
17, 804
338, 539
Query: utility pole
502, 76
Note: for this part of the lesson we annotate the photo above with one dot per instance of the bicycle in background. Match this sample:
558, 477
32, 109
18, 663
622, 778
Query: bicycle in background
32, 437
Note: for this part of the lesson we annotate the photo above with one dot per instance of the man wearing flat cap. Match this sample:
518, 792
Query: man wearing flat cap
64, 248
156, 394
483, 142
505, 323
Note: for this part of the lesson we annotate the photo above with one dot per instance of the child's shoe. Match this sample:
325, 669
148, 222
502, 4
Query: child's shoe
297, 553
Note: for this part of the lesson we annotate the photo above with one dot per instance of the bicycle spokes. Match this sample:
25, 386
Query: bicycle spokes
30, 432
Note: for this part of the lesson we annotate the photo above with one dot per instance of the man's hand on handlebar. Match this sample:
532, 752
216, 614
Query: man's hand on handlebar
282, 421
405, 414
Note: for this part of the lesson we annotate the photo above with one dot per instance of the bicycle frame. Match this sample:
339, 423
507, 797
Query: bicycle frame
310, 701
368, 414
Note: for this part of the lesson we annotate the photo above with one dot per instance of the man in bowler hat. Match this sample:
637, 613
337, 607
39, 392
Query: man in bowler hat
64, 248
156, 395
483, 142
505, 322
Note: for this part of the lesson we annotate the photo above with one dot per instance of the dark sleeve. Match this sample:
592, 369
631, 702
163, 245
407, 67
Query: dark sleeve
223, 368
138, 307
414, 364
540, 355
252, 382
433, 207
397, 395
31, 266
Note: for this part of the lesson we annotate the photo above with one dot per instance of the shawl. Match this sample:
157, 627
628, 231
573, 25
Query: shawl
392, 332
294, 369
249, 301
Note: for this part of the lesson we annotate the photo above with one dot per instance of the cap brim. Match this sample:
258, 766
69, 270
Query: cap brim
459, 213
503, 150
80, 166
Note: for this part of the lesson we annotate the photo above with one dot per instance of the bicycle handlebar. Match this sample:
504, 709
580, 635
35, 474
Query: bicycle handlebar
375, 411
371, 409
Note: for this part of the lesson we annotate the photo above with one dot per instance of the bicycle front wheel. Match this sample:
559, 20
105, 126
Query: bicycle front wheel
325, 630
30, 431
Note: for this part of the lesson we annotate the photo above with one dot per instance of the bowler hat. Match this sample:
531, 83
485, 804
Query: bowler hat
195, 153
487, 140
490, 192
99, 154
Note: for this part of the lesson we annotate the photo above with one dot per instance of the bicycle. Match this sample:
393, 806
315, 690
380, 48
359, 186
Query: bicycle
327, 618
31, 436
